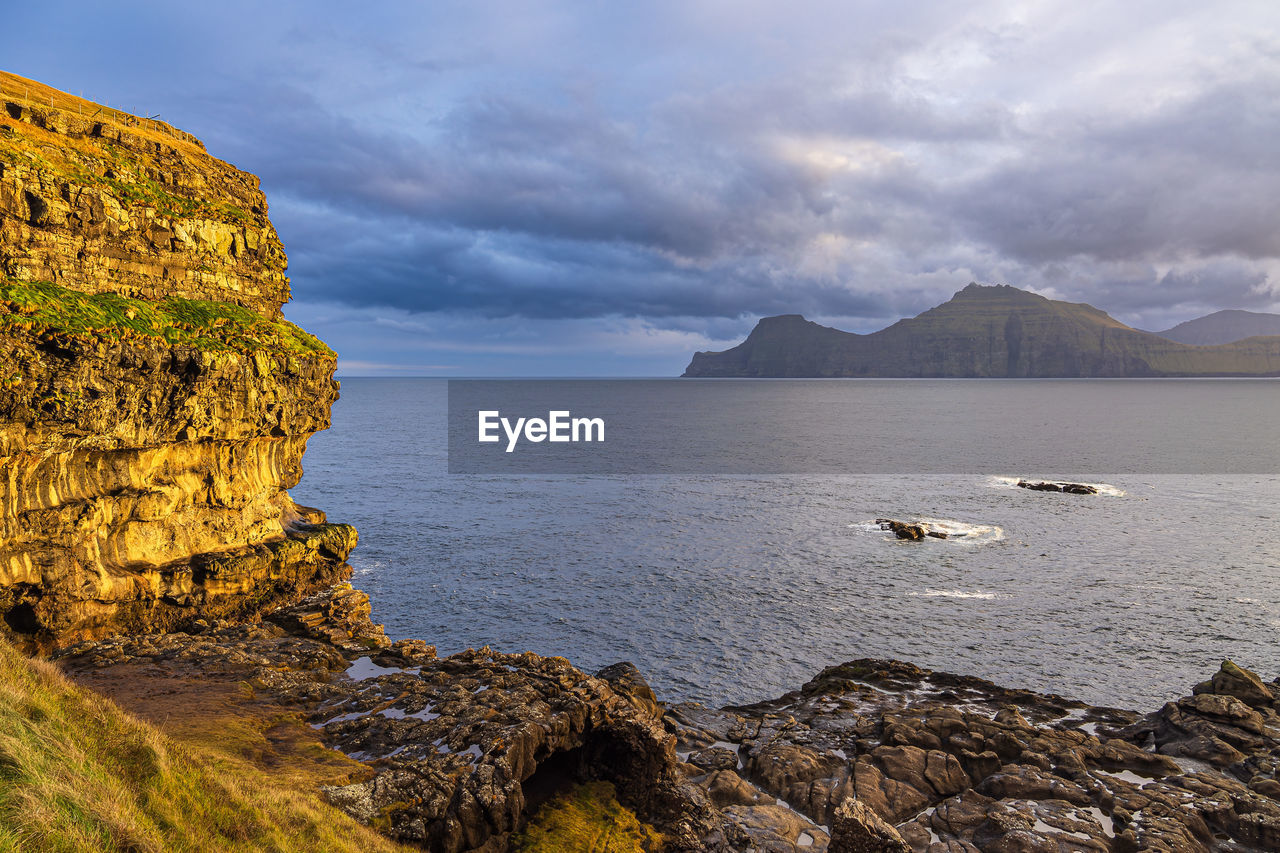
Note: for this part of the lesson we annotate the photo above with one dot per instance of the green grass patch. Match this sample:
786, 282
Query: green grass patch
587, 819
79, 774
198, 323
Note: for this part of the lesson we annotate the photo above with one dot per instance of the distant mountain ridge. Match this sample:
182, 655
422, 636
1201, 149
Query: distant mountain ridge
1223, 327
983, 331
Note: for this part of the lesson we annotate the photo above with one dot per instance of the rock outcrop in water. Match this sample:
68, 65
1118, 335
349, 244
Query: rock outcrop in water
1055, 486
997, 331
154, 405
909, 530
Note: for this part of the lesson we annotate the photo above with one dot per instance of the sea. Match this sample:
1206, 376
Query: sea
733, 588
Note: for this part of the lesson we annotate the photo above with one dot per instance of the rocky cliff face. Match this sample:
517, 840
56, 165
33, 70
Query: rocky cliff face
997, 331
154, 405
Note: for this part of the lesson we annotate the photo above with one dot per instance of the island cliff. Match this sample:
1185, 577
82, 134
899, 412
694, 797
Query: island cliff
154, 407
154, 404
997, 331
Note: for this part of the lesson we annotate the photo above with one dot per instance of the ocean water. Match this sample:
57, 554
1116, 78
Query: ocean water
737, 588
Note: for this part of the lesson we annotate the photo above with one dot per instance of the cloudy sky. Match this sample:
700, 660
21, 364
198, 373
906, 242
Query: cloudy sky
578, 188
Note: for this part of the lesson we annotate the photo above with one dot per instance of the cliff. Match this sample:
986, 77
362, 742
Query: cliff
154, 404
997, 331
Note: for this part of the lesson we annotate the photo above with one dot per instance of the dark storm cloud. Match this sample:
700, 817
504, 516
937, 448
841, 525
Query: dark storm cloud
693, 165
1197, 179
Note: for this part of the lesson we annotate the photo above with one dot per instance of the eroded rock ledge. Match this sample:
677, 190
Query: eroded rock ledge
870, 755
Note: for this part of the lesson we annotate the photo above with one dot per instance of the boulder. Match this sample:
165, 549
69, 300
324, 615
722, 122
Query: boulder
855, 828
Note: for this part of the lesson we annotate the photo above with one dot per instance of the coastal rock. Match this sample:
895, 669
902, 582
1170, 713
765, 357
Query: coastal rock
857, 829
869, 754
1243, 684
105, 202
957, 763
912, 531
154, 405
459, 749
1050, 486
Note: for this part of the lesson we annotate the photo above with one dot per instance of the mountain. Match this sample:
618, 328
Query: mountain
983, 331
1223, 327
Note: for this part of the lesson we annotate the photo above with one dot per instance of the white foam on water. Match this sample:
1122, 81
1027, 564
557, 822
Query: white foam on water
963, 531
958, 593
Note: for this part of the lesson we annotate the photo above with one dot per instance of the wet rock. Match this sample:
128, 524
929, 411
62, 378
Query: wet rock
857, 829
912, 531
627, 681
716, 758
1243, 684
459, 747
1052, 486
727, 788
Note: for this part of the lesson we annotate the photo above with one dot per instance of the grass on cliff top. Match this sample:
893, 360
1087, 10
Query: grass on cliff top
198, 323
587, 819
79, 774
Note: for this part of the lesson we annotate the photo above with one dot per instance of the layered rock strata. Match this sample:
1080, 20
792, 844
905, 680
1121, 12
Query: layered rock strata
104, 202
154, 405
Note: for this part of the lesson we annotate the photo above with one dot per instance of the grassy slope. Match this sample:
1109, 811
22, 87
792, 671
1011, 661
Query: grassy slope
78, 774
197, 323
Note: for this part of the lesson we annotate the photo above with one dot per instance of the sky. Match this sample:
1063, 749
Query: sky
583, 188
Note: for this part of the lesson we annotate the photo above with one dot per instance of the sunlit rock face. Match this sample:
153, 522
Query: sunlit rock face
154, 405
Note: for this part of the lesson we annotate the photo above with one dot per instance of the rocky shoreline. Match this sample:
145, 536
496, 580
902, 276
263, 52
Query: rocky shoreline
453, 754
